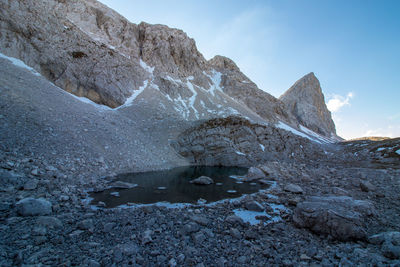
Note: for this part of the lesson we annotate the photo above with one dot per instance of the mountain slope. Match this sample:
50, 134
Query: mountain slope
91, 51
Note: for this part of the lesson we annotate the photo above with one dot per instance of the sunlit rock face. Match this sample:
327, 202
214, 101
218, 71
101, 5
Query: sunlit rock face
91, 51
306, 102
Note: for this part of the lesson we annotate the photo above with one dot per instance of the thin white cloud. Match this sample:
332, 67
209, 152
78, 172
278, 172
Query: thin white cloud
337, 102
377, 132
386, 131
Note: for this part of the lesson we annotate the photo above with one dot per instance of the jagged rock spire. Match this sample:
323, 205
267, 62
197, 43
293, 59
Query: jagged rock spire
306, 102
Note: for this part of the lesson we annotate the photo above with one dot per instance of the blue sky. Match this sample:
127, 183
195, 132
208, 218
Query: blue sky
352, 46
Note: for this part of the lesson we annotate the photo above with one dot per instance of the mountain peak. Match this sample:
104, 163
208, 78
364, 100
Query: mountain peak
221, 62
306, 102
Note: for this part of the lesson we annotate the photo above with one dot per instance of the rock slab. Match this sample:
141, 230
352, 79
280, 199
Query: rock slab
340, 217
33, 207
254, 174
389, 242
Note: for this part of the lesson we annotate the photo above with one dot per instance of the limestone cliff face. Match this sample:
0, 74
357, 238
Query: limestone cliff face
170, 50
238, 142
91, 51
45, 35
306, 102
241, 88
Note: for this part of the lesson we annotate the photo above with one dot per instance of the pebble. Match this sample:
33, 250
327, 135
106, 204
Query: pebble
235, 233
35, 172
31, 184
85, 224
146, 238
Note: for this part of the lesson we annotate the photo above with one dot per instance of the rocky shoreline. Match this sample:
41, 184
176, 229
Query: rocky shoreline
73, 233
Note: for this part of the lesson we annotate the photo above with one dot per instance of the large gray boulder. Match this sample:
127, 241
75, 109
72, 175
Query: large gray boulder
340, 217
33, 207
389, 242
254, 206
293, 188
254, 173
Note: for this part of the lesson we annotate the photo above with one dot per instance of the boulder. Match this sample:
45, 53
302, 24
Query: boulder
366, 186
85, 224
202, 180
146, 237
269, 170
254, 173
200, 220
233, 219
341, 217
33, 207
389, 242
31, 184
49, 222
254, 206
292, 188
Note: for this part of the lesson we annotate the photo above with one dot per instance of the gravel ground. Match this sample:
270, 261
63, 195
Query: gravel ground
56, 148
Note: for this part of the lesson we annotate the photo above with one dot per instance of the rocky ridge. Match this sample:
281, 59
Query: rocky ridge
94, 52
306, 102
330, 204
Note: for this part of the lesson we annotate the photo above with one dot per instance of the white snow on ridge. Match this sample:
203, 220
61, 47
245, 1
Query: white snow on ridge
216, 81
19, 63
169, 78
146, 67
88, 101
286, 127
192, 99
314, 134
129, 100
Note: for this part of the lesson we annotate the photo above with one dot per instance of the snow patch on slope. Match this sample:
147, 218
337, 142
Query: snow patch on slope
286, 127
249, 216
216, 81
305, 132
136, 93
146, 67
19, 63
88, 101
315, 135
192, 99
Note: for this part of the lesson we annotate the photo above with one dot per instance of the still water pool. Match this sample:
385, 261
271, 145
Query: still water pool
174, 186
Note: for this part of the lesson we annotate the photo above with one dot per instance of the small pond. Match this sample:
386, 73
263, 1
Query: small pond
173, 186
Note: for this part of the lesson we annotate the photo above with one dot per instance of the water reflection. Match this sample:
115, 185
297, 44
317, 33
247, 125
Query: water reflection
174, 186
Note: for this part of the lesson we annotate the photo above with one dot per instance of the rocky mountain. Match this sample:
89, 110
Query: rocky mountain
306, 102
87, 98
91, 51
